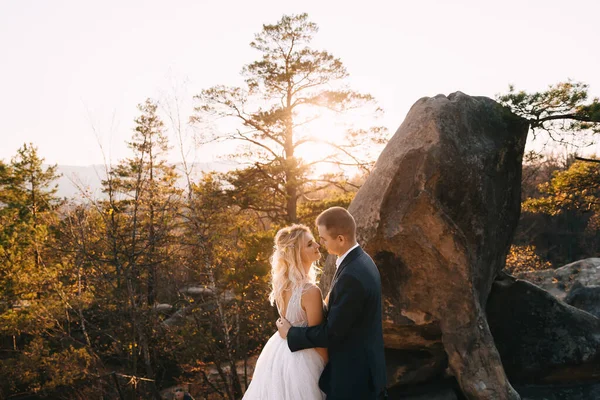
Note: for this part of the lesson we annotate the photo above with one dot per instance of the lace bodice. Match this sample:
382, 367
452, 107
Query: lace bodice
294, 312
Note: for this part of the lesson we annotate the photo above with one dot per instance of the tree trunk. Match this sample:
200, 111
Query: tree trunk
291, 167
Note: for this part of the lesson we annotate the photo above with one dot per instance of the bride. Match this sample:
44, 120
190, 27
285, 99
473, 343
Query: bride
279, 373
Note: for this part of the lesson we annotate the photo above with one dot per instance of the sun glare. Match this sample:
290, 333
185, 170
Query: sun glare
329, 128
318, 133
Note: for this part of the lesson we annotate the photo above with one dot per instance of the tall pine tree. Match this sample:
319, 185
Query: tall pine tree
286, 91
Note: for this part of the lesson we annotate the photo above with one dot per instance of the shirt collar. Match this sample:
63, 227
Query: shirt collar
339, 260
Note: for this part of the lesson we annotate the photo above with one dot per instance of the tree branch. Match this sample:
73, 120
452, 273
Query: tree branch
574, 117
587, 159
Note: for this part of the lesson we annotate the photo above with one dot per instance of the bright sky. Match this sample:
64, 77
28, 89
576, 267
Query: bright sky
69, 66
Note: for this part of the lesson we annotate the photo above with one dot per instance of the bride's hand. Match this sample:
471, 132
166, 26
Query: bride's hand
283, 326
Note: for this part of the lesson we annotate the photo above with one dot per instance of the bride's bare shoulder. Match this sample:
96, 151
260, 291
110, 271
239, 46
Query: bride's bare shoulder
311, 295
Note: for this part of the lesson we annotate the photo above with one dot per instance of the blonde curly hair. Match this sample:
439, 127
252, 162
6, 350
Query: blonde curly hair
287, 272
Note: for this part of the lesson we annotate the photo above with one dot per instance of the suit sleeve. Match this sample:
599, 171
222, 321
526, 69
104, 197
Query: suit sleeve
348, 305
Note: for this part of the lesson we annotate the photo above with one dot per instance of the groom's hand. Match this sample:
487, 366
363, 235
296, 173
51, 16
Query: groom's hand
283, 326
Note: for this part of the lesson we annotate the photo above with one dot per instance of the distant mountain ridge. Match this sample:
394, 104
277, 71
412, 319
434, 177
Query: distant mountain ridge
75, 179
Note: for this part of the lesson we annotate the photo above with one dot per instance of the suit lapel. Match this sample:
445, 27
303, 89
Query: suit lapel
347, 260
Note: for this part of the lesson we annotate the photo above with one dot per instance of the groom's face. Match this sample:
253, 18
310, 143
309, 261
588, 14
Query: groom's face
331, 243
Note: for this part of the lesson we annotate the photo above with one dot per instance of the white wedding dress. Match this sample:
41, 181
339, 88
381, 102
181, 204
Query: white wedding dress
283, 375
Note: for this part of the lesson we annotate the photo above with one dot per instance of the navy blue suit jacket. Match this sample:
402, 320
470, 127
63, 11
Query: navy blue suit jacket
352, 331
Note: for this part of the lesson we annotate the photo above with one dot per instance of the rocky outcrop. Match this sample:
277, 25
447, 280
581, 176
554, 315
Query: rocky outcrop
540, 338
585, 298
560, 281
437, 214
445, 390
583, 391
577, 283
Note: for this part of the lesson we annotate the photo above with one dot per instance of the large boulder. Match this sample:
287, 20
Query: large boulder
582, 391
540, 338
437, 214
586, 298
560, 281
577, 283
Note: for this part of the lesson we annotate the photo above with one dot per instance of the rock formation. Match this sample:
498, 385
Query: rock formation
437, 214
559, 282
577, 283
540, 338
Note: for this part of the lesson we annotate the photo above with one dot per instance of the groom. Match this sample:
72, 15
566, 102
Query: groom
352, 332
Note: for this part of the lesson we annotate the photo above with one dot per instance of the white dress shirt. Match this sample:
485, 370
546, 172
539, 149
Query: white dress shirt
339, 260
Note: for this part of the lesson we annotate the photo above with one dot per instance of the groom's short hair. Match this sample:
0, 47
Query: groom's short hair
338, 221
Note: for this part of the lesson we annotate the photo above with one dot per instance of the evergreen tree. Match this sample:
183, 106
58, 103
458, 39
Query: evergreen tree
289, 88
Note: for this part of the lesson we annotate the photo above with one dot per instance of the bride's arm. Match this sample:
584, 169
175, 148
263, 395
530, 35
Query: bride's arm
312, 303
343, 313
